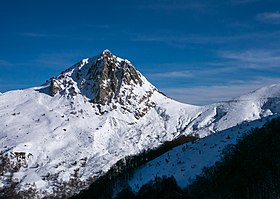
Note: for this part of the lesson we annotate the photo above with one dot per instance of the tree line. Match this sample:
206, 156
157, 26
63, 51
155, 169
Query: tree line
248, 170
122, 171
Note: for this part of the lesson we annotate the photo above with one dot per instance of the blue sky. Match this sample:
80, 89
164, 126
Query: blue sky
196, 52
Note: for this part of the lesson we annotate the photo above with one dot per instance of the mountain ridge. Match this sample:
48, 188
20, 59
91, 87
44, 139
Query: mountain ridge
64, 130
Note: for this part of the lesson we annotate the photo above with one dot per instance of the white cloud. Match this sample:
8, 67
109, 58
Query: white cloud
4, 63
46, 60
254, 58
185, 40
173, 5
269, 17
182, 40
172, 74
202, 95
33, 34
60, 60
243, 1
199, 70
100, 26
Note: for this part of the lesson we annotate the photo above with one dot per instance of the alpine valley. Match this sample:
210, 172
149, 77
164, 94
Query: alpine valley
58, 138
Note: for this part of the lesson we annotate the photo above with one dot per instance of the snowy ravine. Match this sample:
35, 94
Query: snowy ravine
98, 111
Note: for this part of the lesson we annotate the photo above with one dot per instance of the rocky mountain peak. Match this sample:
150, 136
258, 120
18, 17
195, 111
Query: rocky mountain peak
106, 53
104, 80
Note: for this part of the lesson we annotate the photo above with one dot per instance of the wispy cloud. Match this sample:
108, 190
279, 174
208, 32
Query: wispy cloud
60, 60
172, 74
184, 40
202, 95
71, 36
199, 71
243, 1
39, 68
98, 26
48, 35
174, 5
269, 17
4, 63
46, 60
254, 58
33, 34
8, 86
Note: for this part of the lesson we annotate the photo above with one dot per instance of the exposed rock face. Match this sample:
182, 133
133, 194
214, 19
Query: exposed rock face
54, 87
106, 80
110, 74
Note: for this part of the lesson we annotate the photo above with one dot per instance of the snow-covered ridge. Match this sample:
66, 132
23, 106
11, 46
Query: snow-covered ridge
100, 110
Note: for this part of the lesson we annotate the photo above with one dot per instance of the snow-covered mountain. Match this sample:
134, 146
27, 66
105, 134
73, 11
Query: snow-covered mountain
107, 81
81, 122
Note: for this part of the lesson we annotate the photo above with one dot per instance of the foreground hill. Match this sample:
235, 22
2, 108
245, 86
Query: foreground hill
187, 161
248, 169
65, 134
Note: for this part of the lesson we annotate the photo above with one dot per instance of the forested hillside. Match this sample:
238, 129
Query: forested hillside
249, 169
118, 175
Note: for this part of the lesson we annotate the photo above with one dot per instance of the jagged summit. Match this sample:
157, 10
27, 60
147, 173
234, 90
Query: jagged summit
105, 80
106, 52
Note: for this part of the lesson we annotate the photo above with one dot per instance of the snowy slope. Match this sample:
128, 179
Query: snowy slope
100, 110
185, 162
